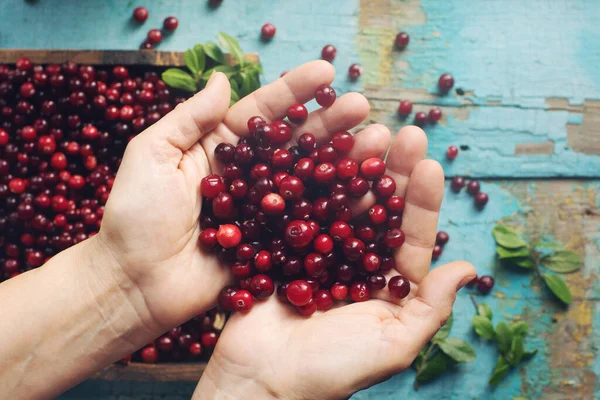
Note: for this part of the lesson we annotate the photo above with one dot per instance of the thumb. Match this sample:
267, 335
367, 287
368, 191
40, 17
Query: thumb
424, 315
190, 120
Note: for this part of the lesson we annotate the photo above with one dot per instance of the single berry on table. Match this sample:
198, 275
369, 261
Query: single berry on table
328, 53
170, 23
402, 40
140, 14
355, 71
445, 83
485, 284
405, 108
451, 152
268, 31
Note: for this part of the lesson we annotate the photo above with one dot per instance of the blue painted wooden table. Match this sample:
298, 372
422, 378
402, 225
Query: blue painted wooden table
528, 124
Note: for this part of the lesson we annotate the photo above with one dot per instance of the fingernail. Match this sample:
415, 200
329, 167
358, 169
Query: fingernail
212, 76
464, 281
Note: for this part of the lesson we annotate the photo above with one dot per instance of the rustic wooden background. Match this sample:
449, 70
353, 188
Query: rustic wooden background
528, 124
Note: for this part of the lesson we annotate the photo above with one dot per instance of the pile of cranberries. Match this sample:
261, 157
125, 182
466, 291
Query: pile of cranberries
281, 212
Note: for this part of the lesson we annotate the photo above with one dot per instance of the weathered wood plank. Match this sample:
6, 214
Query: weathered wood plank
138, 372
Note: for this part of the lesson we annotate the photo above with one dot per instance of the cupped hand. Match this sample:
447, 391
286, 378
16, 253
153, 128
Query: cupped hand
272, 351
150, 225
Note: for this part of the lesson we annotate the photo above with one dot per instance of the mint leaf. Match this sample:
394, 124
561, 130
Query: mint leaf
504, 253
519, 328
232, 46
508, 238
226, 69
524, 262
434, 367
459, 350
178, 79
444, 330
563, 262
503, 337
214, 52
528, 354
483, 327
485, 311
500, 371
516, 351
558, 287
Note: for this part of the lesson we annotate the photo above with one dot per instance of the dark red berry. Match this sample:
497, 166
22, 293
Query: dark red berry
298, 234
242, 301
324, 173
225, 298
420, 118
340, 231
357, 187
452, 152
261, 286
328, 53
342, 141
437, 251
353, 249
442, 238
272, 204
399, 287
325, 95
324, 300
314, 264
354, 71
170, 23
268, 31
149, 354
323, 244
223, 205
376, 282
485, 284
481, 199
384, 186
154, 36
229, 236
457, 184
377, 214
208, 238
394, 238
297, 113
140, 14
291, 188
371, 262
372, 168
308, 309
299, 293
359, 291
339, 291
307, 142
445, 83
473, 187
402, 40
435, 114
212, 185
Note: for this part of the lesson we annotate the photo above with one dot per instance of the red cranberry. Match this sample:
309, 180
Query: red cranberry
307, 142
395, 204
359, 291
209, 339
195, 349
325, 95
339, 291
304, 168
308, 309
242, 301
314, 264
371, 262
399, 287
323, 299
442, 238
485, 284
323, 244
262, 261
452, 152
437, 251
280, 133
238, 188
372, 168
297, 113
272, 204
149, 354
402, 40
24, 64
229, 236
291, 188
354, 71
225, 298
17, 185
140, 14
299, 293
481, 199
298, 233
212, 185
394, 238
261, 286
457, 184
473, 187
324, 173
445, 83
154, 36
377, 214
340, 231
170, 23
384, 186
342, 141
268, 31
328, 53
225, 152
420, 118
353, 249
435, 114
376, 282
357, 187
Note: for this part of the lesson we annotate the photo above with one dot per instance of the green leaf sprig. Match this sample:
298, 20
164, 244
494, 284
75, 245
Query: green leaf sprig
508, 338
440, 354
204, 59
513, 249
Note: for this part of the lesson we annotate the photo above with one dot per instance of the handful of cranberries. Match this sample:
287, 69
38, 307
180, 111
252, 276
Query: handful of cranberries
281, 213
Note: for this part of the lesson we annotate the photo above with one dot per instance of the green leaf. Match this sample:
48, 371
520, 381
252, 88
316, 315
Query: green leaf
563, 262
459, 350
232, 46
519, 328
524, 262
434, 367
503, 337
214, 52
485, 311
444, 330
500, 371
483, 327
226, 69
516, 351
192, 62
520, 398
176, 78
504, 253
508, 238
558, 287
528, 354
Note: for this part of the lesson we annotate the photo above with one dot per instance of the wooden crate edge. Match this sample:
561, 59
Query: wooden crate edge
139, 372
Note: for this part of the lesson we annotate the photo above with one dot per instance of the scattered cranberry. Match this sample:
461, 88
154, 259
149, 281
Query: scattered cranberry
485, 284
359, 291
451, 152
140, 14
420, 118
442, 238
402, 40
405, 108
399, 287
170, 24
473, 187
457, 184
445, 83
481, 199
325, 95
354, 71
154, 36
328, 53
435, 114
268, 31
297, 113
436, 252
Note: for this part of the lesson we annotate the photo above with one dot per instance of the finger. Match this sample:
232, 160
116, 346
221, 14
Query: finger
346, 112
409, 147
189, 121
423, 200
424, 315
273, 100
